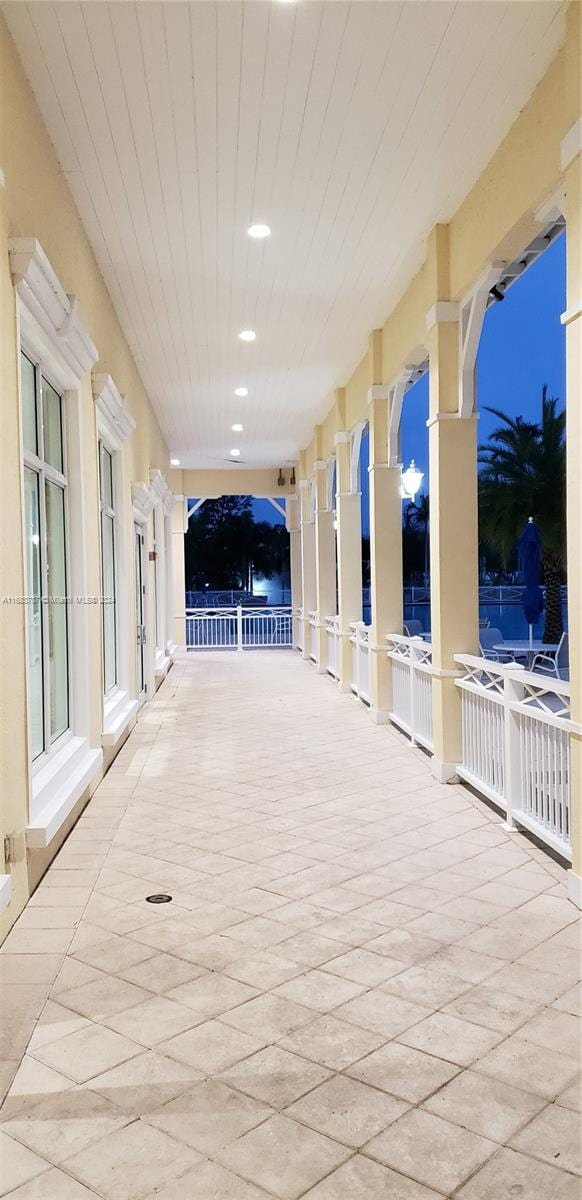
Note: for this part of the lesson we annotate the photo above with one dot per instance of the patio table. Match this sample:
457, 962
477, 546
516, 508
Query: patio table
526, 648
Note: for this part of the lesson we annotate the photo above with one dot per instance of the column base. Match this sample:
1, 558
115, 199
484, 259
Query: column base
380, 716
574, 884
321, 668
344, 687
443, 771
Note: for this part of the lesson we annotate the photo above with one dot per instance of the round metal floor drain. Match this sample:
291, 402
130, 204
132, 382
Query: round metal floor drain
158, 899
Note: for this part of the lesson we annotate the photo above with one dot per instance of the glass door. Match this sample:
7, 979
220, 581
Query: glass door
140, 610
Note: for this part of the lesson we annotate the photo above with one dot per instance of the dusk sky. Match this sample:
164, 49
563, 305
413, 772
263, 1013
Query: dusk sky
522, 347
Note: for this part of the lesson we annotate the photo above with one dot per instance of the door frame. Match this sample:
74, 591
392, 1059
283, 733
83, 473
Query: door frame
141, 643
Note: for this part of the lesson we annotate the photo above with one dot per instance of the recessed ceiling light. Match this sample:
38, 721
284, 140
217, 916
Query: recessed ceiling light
174, 462
235, 453
237, 428
241, 391
247, 335
259, 231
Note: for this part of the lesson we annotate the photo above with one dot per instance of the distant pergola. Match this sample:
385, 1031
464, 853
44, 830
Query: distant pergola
196, 504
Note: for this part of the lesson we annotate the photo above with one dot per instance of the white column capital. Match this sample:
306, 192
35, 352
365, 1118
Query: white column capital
571, 313
571, 145
444, 311
378, 391
320, 465
451, 416
340, 439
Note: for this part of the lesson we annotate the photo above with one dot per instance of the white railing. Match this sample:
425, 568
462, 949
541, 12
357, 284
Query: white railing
359, 638
516, 745
411, 687
237, 628
332, 638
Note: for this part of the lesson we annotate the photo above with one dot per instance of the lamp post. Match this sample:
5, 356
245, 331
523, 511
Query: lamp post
410, 482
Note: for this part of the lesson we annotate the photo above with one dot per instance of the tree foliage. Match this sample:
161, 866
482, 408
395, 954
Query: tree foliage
523, 474
226, 547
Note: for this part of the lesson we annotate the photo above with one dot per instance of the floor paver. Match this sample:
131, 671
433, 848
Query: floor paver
362, 986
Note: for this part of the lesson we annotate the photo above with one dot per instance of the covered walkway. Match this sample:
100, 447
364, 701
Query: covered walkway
363, 987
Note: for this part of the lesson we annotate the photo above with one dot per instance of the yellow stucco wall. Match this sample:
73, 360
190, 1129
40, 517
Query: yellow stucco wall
36, 202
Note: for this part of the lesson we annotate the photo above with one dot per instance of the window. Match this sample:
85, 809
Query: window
45, 531
158, 577
108, 571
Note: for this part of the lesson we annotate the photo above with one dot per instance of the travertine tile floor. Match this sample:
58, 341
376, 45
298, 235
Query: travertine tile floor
363, 988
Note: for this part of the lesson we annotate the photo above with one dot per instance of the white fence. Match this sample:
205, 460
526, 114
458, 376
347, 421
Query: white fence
332, 636
359, 638
238, 628
516, 745
411, 687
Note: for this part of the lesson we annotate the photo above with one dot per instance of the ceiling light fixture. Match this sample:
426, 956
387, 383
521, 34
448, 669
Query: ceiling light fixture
247, 335
241, 391
174, 462
259, 231
235, 453
237, 428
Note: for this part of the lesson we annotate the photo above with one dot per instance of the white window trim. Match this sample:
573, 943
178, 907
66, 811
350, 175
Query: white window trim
164, 503
169, 546
115, 425
50, 328
143, 500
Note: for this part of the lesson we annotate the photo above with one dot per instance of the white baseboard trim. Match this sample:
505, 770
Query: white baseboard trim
380, 716
162, 665
57, 786
119, 710
443, 771
5, 890
574, 888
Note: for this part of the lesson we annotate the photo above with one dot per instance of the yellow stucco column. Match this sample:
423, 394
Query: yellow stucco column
454, 580
293, 525
325, 559
386, 579
179, 526
349, 555
308, 588
385, 537
572, 319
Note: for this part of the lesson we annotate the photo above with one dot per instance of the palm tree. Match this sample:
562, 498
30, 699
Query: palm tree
524, 475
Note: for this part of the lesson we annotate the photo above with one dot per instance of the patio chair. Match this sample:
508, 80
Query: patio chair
488, 638
555, 663
413, 628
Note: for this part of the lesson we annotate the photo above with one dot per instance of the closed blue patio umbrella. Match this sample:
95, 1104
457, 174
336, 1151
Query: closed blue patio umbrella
530, 565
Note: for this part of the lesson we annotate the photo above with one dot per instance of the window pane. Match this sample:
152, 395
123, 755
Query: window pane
34, 612
28, 386
52, 430
106, 477
57, 610
108, 602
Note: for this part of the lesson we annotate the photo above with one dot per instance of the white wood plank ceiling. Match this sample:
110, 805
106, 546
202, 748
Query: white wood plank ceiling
350, 128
